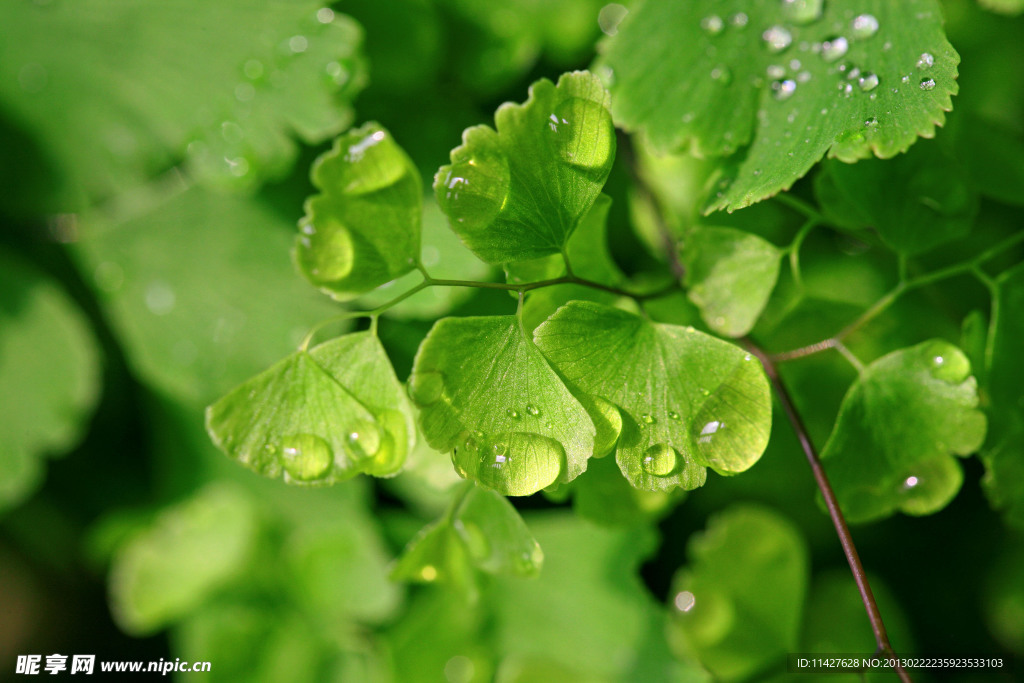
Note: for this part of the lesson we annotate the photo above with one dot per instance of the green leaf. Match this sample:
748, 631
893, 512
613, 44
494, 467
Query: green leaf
587, 613
302, 416
221, 85
483, 530
49, 372
916, 201
1004, 476
518, 193
687, 400
992, 155
363, 229
361, 366
199, 289
487, 395
737, 627
189, 552
898, 429
781, 84
729, 275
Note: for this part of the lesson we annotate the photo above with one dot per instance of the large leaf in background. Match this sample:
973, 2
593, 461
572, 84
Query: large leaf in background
588, 615
190, 551
782, 83
519, 192
487, 395
363, 229
200, 290
1002, 455
481, 529
687, 400
49, 375
898, 429
225, 84
735, 626
729, 275
318, 417
916, 201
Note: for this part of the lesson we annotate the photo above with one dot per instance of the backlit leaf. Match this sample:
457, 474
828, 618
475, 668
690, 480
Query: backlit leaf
898, 429
518, 192
729, 275
363, 229
487, 395
687, 400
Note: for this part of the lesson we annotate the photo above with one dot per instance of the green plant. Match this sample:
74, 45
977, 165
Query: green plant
601, 299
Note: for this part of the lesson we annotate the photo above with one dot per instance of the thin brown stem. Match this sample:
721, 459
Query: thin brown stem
832, 503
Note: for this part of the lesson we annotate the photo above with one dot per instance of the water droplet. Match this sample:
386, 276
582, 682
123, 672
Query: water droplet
708, 431
648, 419
363, 440
610, 16
512, 413
684, 601
673, 415
532, 410
325, 15
868, 81
660, 460
834, 48
328, 252
583, 133
518, 463
925, 61
864, 26
722, 74
739, 20
425, 388
712, 24
783, 90
947, 363
337, 73
473, 191
298, 44
802, 11
910, 482
871, 122
927, 84
777, 38
775, 71
306, 457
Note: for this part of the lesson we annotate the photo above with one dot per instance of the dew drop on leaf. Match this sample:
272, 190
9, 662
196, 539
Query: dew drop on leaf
306, 457
363, 440
330, 250
474, 191
532, 410
739, 20
712, 24
523, 463
425, 388
925, 61
948, 363
864, 26
834, 48
777, 38
660, 460
684, 601
721, 74
784, 89
583, 133
647, 418
802, 11
868, 82
927, 84
514, 414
